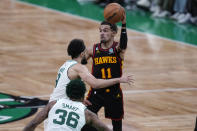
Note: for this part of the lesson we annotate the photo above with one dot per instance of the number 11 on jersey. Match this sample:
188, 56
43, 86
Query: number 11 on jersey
106, 72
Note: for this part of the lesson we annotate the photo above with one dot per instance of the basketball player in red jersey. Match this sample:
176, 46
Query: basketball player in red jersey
108, 57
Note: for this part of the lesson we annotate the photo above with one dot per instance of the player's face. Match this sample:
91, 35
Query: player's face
84, 57
106, 34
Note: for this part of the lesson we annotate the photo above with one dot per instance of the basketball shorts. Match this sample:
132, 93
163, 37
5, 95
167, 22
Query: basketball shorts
110, 98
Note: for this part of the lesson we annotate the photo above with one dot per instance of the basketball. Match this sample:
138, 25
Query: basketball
113, 13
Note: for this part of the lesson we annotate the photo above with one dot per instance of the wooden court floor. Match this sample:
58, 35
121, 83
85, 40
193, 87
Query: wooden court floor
33, 44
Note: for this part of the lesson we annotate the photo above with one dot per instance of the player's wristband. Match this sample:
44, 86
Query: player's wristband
123, 25
123, 28
123, 37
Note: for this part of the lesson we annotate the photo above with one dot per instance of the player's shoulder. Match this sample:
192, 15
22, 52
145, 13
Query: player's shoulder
95, 45
115, 44
91, 48
51, 104
70, 62
79, 66
89, 114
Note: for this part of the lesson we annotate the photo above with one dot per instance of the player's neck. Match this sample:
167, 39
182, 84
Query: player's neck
78, 59
107, 45
79, 100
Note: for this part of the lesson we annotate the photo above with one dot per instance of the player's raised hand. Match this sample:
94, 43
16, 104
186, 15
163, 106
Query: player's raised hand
124, 18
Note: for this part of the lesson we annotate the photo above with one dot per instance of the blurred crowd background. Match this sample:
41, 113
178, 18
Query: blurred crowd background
181, 11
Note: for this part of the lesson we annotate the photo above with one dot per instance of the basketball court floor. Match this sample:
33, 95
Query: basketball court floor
33, 43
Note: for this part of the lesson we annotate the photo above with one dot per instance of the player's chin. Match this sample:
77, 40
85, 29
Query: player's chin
84, 61
103, 41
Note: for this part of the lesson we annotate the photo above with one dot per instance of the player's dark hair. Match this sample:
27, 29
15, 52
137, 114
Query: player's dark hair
75, 47
112, 26
76, 89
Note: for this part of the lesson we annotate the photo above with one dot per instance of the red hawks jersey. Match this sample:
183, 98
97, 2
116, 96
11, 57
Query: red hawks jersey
106, 62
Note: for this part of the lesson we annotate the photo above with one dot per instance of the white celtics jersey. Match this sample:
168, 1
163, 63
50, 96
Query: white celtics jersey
62, 81
66, 115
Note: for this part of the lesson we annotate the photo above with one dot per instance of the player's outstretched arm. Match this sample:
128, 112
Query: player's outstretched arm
40, 117
93, 120
87, 77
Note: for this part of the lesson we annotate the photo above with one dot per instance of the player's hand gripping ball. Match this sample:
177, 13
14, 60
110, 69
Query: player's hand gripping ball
113, 13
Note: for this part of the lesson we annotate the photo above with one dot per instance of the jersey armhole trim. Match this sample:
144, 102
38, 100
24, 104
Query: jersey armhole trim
69, 68
94, 49
116, 53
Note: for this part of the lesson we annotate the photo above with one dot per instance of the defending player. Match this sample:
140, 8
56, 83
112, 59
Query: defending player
68, 114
